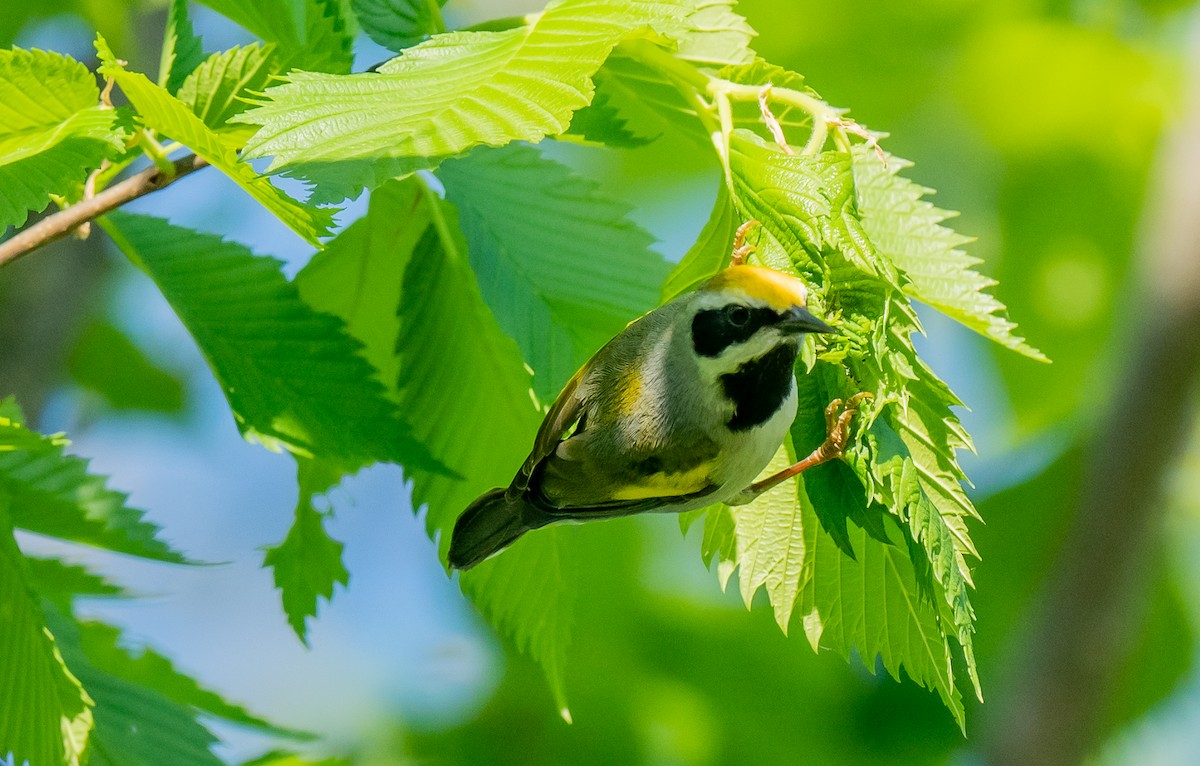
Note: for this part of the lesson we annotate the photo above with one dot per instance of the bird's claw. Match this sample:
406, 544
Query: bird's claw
742, 248
838, 415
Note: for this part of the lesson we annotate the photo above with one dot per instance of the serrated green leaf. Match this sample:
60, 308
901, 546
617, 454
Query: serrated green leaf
446, 328
837, 494
61, 582
397, 24
770, 543
309, 34
720, 542
333, 182
40, 91
105, 361
167, 114
94, 123
643, 101
529, 594
47, 714
53, 494
516, 84
284, 758
107, 652
784, 192
602, 123
216, 89
271, 20
903, 461
292, 376
358, 276
559, 263
870, 605
308, 563
909, 230
52, 130
711, 34
182, 49
27, 185
708, 254
328, 40
134, 724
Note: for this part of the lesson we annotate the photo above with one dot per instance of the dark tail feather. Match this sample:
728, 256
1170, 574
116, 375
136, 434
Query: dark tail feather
489, 525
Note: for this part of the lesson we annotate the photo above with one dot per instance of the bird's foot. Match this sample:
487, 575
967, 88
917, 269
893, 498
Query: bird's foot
742, 248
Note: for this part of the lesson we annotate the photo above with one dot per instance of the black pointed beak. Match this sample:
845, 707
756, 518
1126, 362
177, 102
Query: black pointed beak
798, 320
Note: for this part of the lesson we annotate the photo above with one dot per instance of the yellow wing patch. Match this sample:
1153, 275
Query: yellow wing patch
779, 290
630, 394
667, 484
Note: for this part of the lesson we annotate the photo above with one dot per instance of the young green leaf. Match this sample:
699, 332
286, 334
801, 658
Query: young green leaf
292, 375
215, 91
445, 330
52, 130
770, 544
39, 92
559, 263
28, 184
182, 50
398, 24
308, 563
47, 714
515, 84
53, 494
161, 111
909, 230
784, 192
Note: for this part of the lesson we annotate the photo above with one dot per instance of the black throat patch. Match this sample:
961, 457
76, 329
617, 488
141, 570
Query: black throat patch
759, 386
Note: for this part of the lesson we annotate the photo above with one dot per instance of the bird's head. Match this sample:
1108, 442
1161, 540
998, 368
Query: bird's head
746, 311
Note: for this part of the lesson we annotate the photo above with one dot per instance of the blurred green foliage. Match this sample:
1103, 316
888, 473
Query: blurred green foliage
1039, 121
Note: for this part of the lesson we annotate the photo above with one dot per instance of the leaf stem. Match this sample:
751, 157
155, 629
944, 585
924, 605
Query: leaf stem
155, 152
58, 225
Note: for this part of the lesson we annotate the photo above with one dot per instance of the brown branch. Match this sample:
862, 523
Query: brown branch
1080, 632
62, 223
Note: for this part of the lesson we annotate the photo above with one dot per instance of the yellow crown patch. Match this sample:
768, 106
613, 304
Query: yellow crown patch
777, 289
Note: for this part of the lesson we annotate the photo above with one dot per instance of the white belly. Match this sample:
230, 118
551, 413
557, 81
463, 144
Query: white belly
751, 450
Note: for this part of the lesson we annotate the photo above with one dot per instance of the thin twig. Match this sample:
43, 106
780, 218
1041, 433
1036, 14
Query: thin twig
58, 225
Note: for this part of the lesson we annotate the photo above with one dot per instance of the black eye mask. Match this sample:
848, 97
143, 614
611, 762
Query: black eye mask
714, 330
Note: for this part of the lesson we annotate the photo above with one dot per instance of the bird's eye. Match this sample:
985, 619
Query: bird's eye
739, 316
